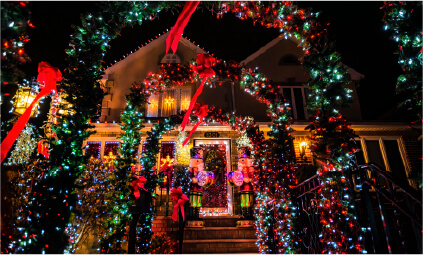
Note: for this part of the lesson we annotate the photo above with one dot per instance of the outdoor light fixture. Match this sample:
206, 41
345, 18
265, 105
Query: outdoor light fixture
23, 99
303, 147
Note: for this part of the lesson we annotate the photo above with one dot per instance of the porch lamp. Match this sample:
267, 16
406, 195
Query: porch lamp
303, 147
24, 97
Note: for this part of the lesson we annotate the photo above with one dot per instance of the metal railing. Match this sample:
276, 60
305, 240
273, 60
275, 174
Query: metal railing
390, 212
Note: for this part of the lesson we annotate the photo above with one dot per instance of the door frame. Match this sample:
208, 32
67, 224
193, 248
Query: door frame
227, 142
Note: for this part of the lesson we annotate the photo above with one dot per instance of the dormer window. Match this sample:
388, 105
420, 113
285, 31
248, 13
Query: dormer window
289, 59
171, 59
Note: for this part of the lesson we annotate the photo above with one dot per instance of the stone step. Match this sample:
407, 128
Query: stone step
220, 246
220, 221
219, 233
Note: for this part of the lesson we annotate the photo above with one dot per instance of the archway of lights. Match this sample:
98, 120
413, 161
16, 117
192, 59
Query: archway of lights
47, 216
274, 173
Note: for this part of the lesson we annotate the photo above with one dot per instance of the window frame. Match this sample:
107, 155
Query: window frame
177, 97
294, 104
382, 147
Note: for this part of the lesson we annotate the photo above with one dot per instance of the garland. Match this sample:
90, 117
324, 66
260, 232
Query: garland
120, 195
327, 76
407, 33
272, 175
148, 162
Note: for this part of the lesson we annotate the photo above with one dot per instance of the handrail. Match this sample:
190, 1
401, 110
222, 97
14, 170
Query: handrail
394, 203
313, 184
389, 177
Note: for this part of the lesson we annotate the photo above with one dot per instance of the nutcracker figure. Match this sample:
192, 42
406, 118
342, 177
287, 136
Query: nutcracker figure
196, 165
246, 189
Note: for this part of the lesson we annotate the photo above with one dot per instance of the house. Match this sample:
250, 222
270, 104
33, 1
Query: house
394, 146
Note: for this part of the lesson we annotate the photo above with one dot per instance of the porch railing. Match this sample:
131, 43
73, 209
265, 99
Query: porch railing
390, 213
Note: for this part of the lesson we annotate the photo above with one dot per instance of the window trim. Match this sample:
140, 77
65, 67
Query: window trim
293, 103
387, 166
177, 97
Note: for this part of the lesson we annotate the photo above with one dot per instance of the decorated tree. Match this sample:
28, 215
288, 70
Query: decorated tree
120, 195
89, 214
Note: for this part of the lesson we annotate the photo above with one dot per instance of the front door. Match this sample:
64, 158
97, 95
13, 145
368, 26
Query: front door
216, 157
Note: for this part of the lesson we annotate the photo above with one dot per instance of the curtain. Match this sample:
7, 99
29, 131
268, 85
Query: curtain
169, 103
153, 106
185, 99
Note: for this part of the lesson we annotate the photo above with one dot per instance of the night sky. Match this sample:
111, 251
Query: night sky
356, 27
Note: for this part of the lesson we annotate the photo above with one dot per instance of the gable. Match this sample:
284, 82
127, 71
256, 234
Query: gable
134, 68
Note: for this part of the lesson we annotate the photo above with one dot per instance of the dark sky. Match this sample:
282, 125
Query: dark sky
356, 27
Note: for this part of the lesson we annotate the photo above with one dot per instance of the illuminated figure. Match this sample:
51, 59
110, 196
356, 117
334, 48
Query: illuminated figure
196, 191
246, 189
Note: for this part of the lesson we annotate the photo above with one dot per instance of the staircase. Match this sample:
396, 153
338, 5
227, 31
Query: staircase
220, 236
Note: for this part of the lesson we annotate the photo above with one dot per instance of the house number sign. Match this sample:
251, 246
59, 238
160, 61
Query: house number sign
211, 134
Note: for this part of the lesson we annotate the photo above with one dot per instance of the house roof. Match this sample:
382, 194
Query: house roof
354, 74
144, 49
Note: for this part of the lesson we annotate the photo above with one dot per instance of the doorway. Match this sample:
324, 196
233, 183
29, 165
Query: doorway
217, 199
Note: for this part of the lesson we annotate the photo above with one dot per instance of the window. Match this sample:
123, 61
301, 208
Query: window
297, 99
93, 149
171, 59
111, 147
395, 160
374, 154
169, 102
386, 154
289, 59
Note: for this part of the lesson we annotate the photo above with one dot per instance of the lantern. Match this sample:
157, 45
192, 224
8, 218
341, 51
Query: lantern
23, 99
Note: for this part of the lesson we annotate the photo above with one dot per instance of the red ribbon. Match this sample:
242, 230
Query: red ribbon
138, 183
48, 75
176, 31
201, 111
205, 62
42, 149
167, 169
178, 200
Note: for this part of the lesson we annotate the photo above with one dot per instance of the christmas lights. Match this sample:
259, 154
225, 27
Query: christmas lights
273, 175
25, 146
120, 198
407, 33
15, 20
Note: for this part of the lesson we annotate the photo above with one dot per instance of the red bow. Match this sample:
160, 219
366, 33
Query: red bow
178, 200
182, 21
167, 169
205, 62
42, 149
201, 111
138, 183
48, 75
